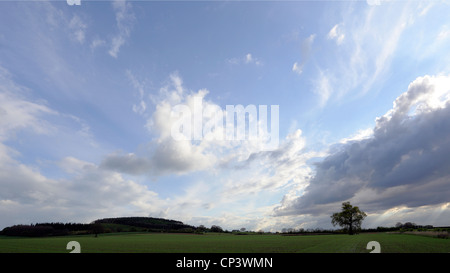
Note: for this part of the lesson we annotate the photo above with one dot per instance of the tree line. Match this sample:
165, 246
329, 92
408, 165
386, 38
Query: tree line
349, 218
106, 225
47, 229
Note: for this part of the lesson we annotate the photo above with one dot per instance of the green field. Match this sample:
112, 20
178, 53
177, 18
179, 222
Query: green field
226, 243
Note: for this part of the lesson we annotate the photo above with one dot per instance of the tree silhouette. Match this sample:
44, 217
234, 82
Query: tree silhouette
350, 217
215, 228
97, 228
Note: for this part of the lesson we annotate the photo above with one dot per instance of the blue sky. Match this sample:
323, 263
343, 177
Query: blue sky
86, 93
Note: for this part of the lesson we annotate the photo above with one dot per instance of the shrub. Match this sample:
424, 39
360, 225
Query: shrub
442, 236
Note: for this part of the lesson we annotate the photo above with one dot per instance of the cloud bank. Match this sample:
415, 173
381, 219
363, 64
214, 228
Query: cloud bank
403, 164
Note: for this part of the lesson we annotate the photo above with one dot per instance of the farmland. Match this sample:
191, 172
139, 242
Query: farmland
136, 242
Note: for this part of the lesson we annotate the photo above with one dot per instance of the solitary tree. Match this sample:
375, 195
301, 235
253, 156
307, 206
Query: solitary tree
350, 218
215, 228
97, 228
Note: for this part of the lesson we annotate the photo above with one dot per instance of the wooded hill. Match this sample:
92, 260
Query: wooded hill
106, 225
143, 224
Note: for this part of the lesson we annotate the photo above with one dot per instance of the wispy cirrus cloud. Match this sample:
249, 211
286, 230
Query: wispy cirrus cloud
247, 59
140, 88
366, 44
78, 26
306, 52
336, 34
324, 86
97, 42
18, 113
124, 20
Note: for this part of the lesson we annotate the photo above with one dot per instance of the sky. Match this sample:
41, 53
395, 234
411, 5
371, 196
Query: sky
354, 97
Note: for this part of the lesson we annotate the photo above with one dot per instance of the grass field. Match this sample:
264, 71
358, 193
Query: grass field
226, 243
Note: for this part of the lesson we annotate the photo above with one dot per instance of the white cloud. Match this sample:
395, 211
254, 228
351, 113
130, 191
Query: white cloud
444, 33
16, 112
125, 19
250, 59
259, 171
367, 45
247, 59
323, 87
116, 43
424, 9
78, 27
242, 191
306, 51
169, 155
203, 147
360, 135
27, 196
85, 192
97, 42
297, 68
336, 34
24, 116
236, 176
139, 86
74, 165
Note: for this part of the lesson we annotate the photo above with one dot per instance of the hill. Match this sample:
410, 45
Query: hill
143, 224
106, 225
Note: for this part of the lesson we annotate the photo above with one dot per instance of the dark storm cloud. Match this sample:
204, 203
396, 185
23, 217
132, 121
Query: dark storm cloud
405, 162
